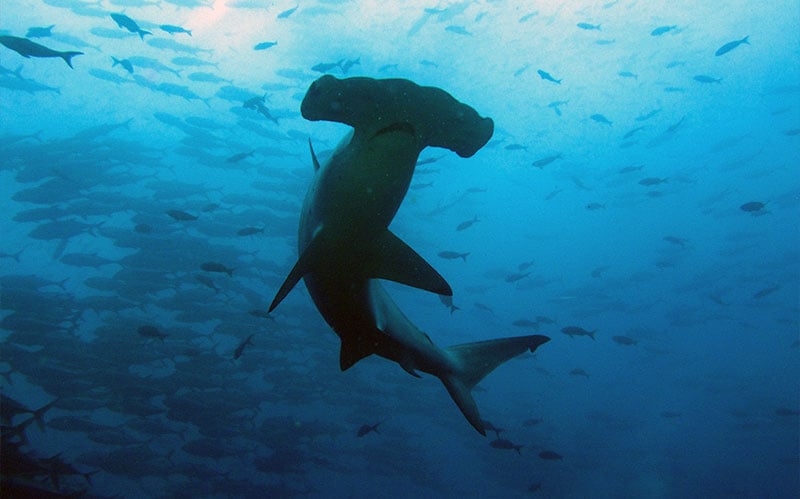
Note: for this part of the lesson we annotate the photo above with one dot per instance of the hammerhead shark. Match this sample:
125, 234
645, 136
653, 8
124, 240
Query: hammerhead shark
345, 244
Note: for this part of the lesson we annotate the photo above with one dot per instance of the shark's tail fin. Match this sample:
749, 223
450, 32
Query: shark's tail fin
474, 361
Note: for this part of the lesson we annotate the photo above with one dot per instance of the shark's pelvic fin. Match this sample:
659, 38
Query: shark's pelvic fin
475, 361
394, 260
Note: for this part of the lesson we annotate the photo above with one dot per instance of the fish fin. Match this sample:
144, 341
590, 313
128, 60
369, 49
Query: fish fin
474, 361
67, 56
351, 351
392, 259
301, 268
313, 156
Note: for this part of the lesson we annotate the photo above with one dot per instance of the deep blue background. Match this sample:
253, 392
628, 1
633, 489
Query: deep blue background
704, 404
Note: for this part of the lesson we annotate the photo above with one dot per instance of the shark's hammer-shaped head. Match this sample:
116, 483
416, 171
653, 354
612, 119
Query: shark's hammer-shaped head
371, 105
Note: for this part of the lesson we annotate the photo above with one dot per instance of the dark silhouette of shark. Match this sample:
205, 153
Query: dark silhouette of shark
345, 245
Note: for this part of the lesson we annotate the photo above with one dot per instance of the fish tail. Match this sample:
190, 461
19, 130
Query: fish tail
143, 32
591, 334
746, 40
67, 56
38, 414
473, 361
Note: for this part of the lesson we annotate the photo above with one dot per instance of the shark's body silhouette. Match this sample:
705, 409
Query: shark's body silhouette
344, 241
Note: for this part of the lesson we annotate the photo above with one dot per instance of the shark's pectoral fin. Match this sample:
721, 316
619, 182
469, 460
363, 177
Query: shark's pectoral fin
394, 260
301, 268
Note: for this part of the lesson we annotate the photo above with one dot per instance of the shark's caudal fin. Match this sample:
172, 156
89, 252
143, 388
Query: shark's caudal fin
438, 118
474, 361
386, 257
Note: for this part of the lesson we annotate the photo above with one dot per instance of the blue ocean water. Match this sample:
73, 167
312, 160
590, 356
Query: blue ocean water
642, 184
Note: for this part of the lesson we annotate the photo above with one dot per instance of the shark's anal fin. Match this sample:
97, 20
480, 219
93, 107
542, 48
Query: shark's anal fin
301, 268
475, 361
394, 260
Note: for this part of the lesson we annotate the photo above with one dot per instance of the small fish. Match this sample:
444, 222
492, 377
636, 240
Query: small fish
249, 231
169, 28
27, 48
488, 426
579, 372
541, 163
516, 276
37, 32
662, 30
216, 267
531, 422
324, 67
628, 74
648, 181
589, 27
547, 76
126, 22
503, 443
525, 323
207, 282
599, 118
447, 301
632, 131
706, 79
573, 331
452, 255
143, 228
346, 65
240, 349
631, 169
151, 332
551, 455
731, 45
459, 30
288, 12
125, 63
418, 186
366, 428
264, 45
467, 224
766, 291
624, 340
595, 206
239, 157
181, 215
677, 241
515, 147
753, 207
647, 116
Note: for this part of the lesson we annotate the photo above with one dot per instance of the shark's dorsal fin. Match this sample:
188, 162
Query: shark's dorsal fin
394, 260
313, 156
301, 268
